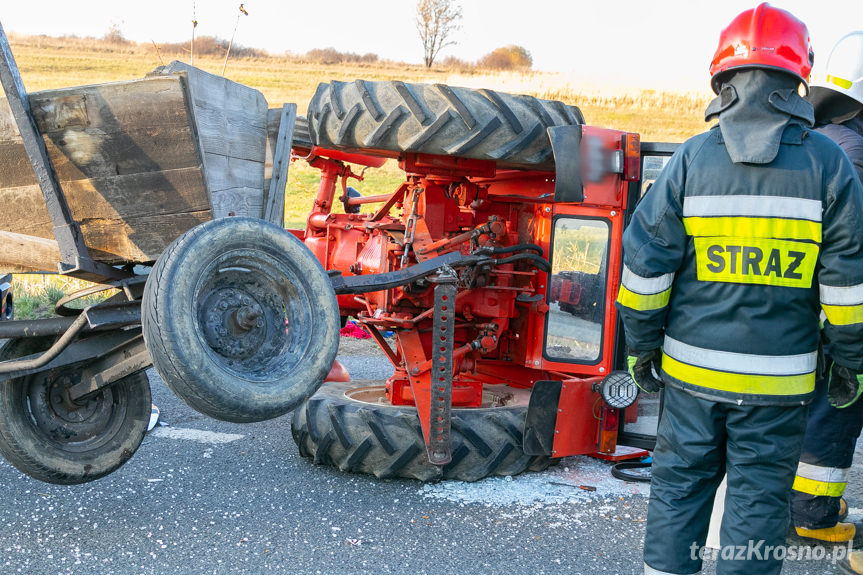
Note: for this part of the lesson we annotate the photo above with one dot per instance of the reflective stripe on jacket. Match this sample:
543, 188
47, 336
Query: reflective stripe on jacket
727, 267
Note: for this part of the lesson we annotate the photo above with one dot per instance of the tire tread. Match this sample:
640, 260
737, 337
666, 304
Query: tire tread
387, 441
392, 116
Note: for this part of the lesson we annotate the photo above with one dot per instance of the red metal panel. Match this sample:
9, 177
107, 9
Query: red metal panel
577, 418
609, 191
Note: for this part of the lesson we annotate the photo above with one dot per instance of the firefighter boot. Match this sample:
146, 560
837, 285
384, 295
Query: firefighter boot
839, 533
853, 564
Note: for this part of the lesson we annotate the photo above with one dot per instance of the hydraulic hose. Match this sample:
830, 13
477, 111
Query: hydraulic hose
510, 249
539, 262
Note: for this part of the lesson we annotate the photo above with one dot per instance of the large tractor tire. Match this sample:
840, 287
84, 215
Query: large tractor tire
240, 320
351, 426
52, 438
436, 119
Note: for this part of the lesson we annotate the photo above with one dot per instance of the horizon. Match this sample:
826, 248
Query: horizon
591, 44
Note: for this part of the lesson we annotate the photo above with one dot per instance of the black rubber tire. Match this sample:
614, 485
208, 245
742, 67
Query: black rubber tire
258, 374
45, 442
437, 119
386, 441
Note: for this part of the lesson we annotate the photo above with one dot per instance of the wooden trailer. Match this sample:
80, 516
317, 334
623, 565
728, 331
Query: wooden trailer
139, 162
108, 183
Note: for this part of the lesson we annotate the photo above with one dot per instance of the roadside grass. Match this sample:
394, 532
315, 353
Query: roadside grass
36, 295
48, 63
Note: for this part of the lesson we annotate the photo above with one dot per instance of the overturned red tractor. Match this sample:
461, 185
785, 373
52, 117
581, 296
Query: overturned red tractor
504, 198
507, 202
495, 264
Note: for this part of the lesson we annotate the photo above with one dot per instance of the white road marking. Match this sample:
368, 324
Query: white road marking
199, 435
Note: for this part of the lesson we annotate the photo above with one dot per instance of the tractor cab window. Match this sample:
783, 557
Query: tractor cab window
576, 294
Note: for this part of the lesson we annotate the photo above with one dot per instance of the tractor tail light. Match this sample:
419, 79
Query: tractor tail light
608, 425
631, 145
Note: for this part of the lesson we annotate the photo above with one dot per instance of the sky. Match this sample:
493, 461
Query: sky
659, 44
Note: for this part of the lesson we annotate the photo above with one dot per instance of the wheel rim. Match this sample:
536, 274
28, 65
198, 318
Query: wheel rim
72, 426
493, 396
250, 314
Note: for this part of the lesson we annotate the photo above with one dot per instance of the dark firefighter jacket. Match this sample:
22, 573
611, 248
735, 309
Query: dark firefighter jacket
727, 267
849, 136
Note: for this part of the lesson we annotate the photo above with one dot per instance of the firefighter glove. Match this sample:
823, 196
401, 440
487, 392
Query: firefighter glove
844, 386
644, 369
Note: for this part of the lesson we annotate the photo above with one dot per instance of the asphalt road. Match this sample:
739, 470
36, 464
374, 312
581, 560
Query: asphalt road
201, 496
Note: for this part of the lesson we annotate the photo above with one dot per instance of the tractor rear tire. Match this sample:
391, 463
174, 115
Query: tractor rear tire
240, 319
51, 438
436, 119
335, 427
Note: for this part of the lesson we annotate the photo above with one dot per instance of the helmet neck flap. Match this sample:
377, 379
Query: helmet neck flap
754, 107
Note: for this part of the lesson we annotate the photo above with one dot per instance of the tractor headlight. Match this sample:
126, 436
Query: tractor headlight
618, 389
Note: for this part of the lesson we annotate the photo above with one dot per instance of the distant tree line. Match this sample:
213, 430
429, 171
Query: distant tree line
333, 56
506, 58
214, 46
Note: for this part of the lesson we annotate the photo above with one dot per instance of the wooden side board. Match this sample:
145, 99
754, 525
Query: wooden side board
231, 124
127, 159
140, 162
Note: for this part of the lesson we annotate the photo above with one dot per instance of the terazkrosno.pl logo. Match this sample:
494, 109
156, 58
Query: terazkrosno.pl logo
759, 551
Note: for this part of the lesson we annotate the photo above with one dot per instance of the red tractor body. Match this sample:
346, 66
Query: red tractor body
540, 308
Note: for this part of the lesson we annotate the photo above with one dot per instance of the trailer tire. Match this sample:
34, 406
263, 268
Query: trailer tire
42, 437
396, 117
334, 428
240, 320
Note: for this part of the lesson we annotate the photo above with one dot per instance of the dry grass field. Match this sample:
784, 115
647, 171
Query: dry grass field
60, 62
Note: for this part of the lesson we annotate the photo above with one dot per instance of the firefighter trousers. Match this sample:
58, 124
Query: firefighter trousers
828, 451
698, 442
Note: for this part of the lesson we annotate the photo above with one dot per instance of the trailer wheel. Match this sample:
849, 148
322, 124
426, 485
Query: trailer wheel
240, 320
436, 119
52, 438
351, 426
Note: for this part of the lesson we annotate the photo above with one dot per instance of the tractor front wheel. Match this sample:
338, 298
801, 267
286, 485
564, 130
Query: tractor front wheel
353, 427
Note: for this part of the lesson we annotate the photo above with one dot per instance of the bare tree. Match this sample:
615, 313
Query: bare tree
437, 20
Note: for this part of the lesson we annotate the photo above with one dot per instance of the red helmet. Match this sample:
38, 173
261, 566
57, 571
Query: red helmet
764, 37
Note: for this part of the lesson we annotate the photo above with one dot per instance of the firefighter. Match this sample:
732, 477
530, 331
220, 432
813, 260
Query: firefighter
834, 426
748, 229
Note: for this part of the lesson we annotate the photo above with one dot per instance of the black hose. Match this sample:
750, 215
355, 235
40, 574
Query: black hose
620, 471
510, 249
539, 262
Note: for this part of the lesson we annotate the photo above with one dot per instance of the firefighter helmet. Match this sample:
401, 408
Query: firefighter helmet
844, 71
763, 37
